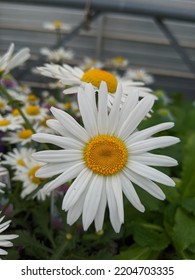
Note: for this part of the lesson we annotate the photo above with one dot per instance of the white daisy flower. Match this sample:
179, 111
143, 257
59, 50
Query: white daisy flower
17, 157
74, 77
9, 123
106, 156
57, 25
35, 112
57, 55
26, 174
22, 136
118, 61
5, 238
140, 75
9, 61
4, 105
89, 63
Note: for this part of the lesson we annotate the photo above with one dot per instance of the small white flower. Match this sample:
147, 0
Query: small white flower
2, 185
26, 174
106, 156
9, 123
35, 112
17, 157
89, 63
5, 238
140, 75
4, 105
118, 61
58, 55
57, 25
9, 61
22, 136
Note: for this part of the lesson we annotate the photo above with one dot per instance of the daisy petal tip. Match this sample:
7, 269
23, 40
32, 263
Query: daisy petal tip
103, 86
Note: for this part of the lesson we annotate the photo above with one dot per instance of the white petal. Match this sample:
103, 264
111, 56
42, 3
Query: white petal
148, 132
136, 116
70, 124
102, 109
56, 126
87, 106
76, 210
76, 189
57, 156
71, 90
152, 143
99, 219
113, 210
150, 173
114, 112
60, 141
92, 200
128, 105
52, 169
6, 243
131, 194
3, 252
154, 160
117, 189
145, 184
67, 175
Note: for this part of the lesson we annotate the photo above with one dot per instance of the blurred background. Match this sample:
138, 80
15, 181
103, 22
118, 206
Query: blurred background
158, 36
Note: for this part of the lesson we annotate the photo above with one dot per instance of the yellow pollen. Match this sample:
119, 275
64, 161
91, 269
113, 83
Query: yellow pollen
1, 105
4, 122
15, 112
96, 76
25, 134
32, 97
105, 155
44, 122
119, 59
57, 24
21, 162
32, 176
67, 105
32, 110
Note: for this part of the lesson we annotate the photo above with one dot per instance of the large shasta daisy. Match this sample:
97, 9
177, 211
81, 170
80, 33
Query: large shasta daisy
106, 156
74, 77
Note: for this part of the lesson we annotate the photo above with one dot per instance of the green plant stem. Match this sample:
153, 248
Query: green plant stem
16, 106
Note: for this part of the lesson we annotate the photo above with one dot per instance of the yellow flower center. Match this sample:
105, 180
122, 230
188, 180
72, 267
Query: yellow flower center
15, 112
4, 122
1, 105
33, 110
96, 76
67, 105
105, 155
32, 97
57, 24
44, 122
21, 162
25, 134
119, 59
32, 176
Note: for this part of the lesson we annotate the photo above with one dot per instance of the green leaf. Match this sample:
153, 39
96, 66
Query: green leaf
136, 252
184, 229
188, 174
189, 204
150, 235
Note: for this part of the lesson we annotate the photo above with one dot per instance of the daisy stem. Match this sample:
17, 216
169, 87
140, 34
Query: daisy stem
17, 106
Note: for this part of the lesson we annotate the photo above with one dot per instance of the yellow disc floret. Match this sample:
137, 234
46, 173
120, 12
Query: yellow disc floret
2, 105
105, 155
96, 76
15, 112
21, 162
32, 176
4, 122
32, 97
57, 24
33, 110
25, 134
